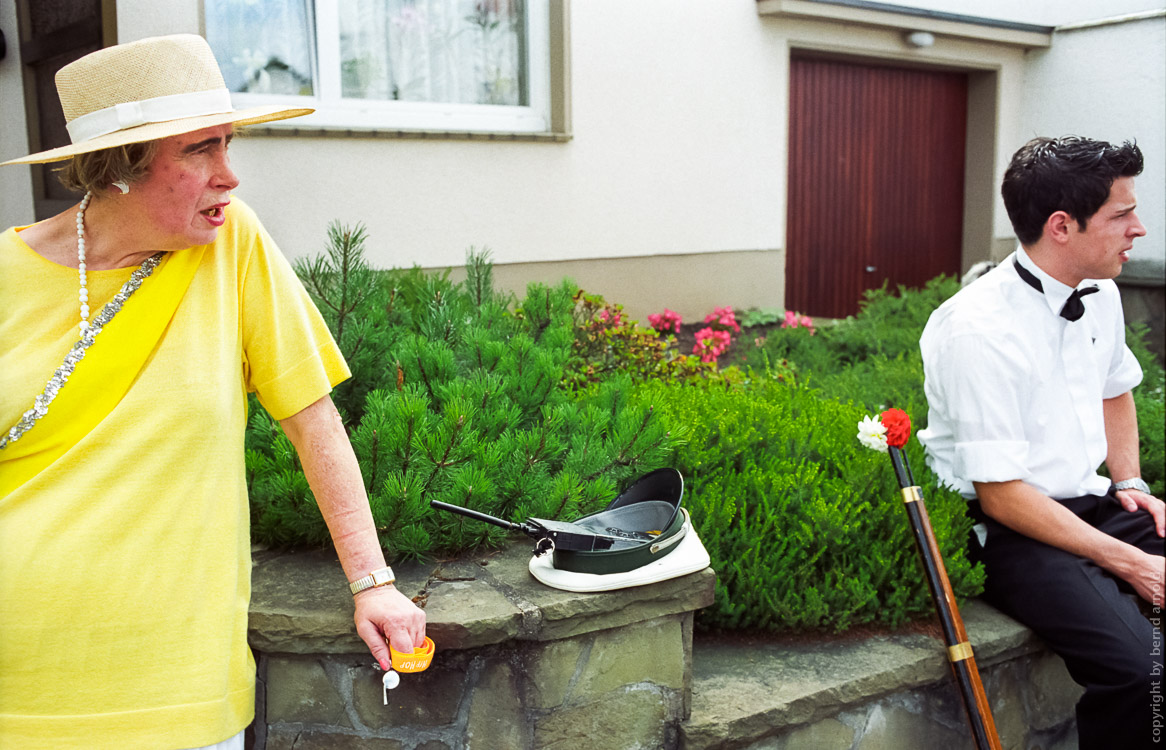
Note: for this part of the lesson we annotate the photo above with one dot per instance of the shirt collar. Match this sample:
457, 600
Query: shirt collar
1055, 293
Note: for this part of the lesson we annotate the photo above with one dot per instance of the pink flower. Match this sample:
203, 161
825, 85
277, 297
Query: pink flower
711, 343
791, 319
723, 316
669, 319
607, 316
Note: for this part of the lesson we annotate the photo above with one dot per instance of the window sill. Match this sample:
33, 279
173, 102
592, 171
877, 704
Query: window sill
416, 134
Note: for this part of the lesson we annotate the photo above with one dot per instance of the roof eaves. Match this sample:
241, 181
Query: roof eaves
904, 18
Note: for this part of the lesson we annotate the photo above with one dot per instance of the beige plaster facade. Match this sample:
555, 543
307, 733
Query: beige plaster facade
665, 183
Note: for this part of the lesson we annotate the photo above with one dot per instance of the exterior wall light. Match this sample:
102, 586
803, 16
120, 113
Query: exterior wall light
920, 39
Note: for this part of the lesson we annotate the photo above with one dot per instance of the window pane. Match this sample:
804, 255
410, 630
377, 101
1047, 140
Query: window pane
263, 46
449, 51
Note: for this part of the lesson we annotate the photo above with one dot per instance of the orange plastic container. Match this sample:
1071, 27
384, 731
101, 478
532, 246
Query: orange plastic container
418, 661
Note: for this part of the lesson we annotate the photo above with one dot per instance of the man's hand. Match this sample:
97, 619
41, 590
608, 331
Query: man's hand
1147, 576
385, 613
1131, 500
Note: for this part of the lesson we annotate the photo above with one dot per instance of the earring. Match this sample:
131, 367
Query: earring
122, 185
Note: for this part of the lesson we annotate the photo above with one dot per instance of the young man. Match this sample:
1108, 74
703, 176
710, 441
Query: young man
1028, 381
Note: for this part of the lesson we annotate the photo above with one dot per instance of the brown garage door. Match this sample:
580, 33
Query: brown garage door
876, 180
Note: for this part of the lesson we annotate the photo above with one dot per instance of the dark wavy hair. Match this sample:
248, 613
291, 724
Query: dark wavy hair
1070, 174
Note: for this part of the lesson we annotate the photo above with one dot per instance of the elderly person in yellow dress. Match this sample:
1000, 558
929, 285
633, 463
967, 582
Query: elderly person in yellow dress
132, 327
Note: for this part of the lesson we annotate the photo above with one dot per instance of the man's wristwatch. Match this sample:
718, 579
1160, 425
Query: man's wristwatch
381, 577
1137, 483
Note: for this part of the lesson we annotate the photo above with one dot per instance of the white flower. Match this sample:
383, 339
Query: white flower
872, 434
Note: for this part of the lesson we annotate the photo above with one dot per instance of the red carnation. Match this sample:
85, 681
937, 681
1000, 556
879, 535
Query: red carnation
898, 426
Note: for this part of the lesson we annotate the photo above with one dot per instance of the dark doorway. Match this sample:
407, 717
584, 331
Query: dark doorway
54, 33
876, 180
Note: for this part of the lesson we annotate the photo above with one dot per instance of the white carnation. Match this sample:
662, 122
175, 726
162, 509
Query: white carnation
872, 434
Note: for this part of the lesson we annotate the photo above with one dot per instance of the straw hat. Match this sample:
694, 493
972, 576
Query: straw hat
144, 90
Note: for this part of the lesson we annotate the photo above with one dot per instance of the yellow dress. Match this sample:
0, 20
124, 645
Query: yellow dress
124, 536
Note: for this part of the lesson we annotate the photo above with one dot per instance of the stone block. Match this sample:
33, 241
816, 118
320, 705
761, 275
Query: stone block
301, 605
630, 719
1052, 694
424, 699
496, 718
298, 690
829, 734
652, 651
1004, 687
891, 727
550, 667
279, 738
996, 636
470, 613
563, 614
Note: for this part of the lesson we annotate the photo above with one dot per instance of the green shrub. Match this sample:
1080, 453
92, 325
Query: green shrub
1150, 403
873, 359
757, 316
609, 343
805, 526
888, 325
462, 400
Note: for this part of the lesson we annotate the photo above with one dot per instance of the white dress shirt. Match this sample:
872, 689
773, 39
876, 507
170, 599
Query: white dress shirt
1014, 390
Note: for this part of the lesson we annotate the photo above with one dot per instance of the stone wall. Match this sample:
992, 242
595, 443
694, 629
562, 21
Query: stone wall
520, 666
882, 692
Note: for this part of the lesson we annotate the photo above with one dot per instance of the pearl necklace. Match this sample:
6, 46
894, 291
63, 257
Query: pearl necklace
83, 294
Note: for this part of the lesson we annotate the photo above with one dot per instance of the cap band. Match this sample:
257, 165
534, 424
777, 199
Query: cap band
158, 109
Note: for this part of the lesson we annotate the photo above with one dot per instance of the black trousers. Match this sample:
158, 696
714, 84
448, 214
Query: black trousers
1088, 617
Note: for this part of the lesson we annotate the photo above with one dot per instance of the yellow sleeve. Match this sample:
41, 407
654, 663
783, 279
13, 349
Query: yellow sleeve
290, 357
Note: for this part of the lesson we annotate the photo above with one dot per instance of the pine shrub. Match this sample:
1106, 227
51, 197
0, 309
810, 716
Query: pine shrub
456, 396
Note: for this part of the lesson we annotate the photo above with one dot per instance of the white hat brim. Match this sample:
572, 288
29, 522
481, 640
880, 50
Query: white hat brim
155, 130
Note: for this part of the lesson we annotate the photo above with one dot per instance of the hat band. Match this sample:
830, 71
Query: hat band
158, 109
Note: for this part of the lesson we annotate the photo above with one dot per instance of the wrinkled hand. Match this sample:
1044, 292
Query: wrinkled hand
1131, 500
385, 613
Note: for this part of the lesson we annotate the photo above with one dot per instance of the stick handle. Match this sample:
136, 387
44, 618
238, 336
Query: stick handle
479, 516
959, 650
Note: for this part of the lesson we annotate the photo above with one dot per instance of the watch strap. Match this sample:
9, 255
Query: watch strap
379, 577
1133, 483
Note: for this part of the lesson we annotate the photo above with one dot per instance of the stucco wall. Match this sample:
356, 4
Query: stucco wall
679, 121
1109, 82
678, 138
15, 182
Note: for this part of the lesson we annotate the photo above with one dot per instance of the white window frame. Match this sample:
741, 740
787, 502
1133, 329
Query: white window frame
334, 112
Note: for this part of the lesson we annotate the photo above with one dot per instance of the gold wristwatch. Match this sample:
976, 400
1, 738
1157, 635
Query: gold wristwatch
380, 577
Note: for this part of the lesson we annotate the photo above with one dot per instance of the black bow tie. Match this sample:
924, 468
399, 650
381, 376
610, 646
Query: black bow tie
1073, 308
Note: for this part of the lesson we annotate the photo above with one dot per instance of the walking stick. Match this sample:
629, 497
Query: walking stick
895, 427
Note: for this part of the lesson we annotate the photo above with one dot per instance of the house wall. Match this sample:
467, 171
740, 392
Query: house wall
15, 182
677, 149
676, 165
1109, 82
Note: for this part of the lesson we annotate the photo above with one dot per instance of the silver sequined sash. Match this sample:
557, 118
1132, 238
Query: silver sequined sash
77, 353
